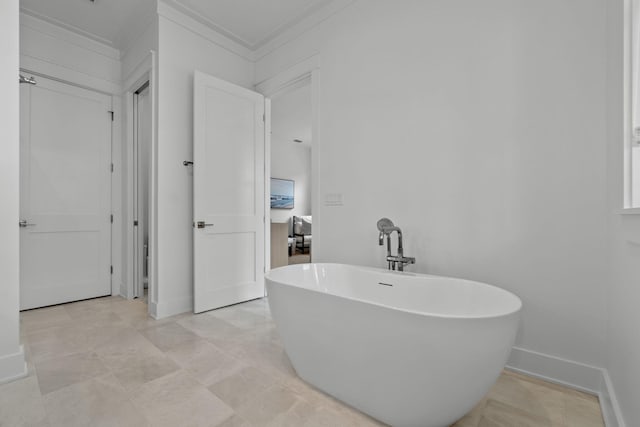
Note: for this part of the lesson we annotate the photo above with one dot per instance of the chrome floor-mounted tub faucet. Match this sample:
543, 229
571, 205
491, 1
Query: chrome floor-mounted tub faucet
386, 227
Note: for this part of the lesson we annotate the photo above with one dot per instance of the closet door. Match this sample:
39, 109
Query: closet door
65, 194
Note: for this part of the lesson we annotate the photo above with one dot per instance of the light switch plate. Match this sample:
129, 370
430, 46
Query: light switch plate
333, 199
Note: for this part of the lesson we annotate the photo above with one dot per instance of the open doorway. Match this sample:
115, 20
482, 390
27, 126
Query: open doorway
141, 183
291, 172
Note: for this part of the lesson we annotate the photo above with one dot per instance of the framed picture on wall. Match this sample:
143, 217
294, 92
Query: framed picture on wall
282, 193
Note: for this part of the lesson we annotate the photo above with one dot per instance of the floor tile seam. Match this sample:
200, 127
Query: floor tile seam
49, 395
227, 352
260, 397
58, 356
131, 399
144, 344
190, 389
36, 379
251, 396
174, 346
114, 368
206, 387
226, 323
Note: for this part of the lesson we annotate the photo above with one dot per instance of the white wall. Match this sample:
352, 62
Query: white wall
181, 51
478, 128
623, 345
12, 363
133, 56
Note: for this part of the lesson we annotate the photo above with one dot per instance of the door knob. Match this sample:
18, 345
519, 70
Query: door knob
201, 224
24, 223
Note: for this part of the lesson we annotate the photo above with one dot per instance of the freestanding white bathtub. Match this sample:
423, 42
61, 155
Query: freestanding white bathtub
407, 349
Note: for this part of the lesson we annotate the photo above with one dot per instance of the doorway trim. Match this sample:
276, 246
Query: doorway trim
300, 74
143, 72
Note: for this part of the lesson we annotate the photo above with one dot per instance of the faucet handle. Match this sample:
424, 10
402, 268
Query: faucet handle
399, 260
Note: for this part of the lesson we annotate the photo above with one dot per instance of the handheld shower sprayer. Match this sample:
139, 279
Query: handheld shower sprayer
383, 225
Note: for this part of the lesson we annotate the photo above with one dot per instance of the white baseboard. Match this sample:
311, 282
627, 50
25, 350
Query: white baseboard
555, 369
13, 366
153, 309
160, 310
579, 376
609, 403
123, 290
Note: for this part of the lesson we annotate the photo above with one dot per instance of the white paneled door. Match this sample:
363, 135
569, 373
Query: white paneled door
229, 193
65, 194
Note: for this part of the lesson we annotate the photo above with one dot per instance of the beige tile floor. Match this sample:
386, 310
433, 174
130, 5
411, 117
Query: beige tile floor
103, 362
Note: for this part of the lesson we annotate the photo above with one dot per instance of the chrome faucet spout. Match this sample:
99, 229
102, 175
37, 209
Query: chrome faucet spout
386, 228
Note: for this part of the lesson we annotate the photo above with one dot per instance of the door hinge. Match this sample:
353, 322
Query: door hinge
111, 112
111, 167
111, 269
111, 216
135, 222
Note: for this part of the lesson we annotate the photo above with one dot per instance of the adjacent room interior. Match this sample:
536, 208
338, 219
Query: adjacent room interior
291, 134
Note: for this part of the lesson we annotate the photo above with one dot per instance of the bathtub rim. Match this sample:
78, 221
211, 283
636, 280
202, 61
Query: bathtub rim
499, 315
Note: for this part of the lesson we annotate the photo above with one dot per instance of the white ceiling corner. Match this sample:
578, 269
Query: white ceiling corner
254, 27
250, 23
66, 26
114, 23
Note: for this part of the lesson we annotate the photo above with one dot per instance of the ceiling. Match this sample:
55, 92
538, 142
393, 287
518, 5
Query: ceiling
291, 117
115, 23
250, 23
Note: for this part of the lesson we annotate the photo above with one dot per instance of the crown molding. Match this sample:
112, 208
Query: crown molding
67, 33
192, 21
183, 8
167, 9
294, 31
